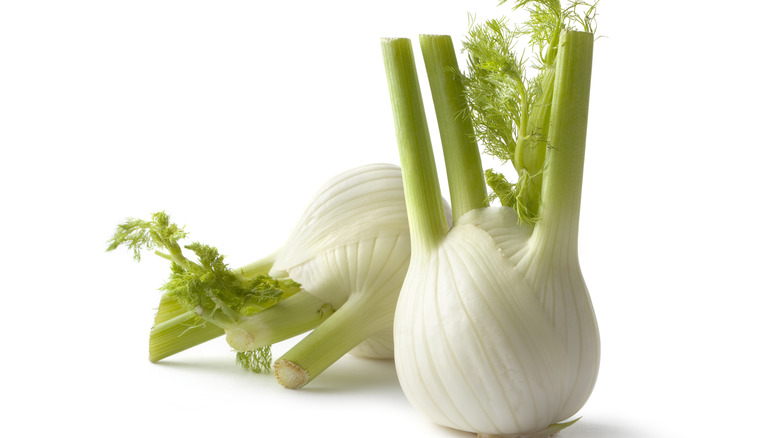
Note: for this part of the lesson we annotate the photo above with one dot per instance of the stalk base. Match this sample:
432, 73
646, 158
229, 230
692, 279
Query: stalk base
290, 375
240, 339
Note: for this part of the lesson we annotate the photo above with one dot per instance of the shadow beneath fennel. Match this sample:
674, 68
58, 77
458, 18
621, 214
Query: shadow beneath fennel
222, 366
349, 374
585, 428
355, 374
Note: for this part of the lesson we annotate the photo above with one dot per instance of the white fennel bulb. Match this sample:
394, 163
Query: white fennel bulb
349, 252
494, 331
352, 244
496, 334
547, 258
475, 351
338, 275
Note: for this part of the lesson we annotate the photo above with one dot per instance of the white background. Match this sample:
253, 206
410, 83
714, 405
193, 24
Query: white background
229, 114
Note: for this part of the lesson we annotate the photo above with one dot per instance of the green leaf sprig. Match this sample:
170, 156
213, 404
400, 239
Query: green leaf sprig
208, 287
510, 108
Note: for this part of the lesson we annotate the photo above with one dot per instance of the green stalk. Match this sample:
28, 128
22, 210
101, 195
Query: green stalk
427, 221
352, 324
176, 329
291, 317
562, 181
461, 153
259, 267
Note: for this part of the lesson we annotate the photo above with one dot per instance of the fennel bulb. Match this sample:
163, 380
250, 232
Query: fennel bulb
351, 251
351, 242
494, 331
338, 274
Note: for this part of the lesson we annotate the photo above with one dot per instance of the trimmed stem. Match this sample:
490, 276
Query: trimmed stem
461, 153
427, 220
346, 329
562, 184
291, 317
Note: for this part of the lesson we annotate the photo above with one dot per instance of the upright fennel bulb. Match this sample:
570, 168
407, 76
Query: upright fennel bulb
494, 331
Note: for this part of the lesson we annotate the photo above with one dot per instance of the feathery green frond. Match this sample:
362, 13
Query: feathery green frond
139, 235
207, 287
256, 361
510, 107
496, 80
522, 196
219, 294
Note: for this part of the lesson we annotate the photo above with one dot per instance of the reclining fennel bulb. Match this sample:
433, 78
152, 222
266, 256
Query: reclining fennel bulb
338, 275
350, 250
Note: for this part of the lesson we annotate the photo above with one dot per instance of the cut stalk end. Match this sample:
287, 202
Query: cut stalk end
290, 375
240, 339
